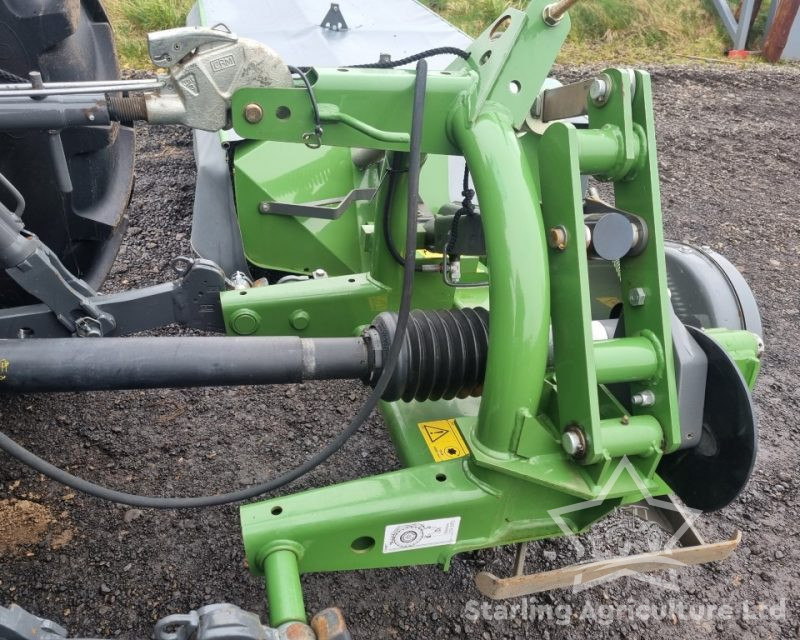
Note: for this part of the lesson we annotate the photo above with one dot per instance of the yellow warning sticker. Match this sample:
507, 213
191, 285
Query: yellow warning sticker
443, 439
609, 301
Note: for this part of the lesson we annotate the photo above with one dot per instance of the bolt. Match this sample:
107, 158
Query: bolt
319, 273
600, 90
245, 322
557, 238
644, 398
240, 281
264, 207
87, 327
637, 296
253, 113
536, 109
299, 319
574, 442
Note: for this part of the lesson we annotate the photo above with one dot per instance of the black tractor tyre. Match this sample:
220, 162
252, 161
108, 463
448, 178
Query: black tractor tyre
66, 40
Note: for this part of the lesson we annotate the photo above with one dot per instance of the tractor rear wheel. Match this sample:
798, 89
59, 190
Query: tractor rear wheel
66, 40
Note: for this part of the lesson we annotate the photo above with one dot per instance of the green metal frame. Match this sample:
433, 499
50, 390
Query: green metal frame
516, 471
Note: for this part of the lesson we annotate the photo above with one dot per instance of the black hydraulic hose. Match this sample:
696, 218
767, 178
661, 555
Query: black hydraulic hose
428, 53
152, 502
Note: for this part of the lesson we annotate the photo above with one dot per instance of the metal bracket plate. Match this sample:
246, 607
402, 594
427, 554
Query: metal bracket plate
322, 209
334, 20
564, 102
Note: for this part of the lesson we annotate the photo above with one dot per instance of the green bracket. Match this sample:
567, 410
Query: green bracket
619, 145
513, 57
639, 193
360, 108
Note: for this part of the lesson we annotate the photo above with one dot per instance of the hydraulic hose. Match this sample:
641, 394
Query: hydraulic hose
153, 502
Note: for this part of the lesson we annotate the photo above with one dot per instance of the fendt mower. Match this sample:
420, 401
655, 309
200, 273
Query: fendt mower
429, 214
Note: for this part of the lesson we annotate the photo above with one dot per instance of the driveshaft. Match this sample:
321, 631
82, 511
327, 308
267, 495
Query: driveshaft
443, 356
74, 364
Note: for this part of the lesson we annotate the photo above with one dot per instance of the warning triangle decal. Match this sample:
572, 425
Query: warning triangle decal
434, 433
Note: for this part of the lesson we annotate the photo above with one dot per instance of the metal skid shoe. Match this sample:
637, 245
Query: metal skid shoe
665, 512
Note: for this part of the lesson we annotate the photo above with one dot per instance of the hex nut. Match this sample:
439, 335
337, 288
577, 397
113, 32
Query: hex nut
600, 90
637, 296
644, 398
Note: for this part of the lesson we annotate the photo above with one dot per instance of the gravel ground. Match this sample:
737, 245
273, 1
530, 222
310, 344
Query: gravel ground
728, 149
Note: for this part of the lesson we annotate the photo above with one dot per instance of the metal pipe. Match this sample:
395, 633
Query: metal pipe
638, 436
59, 160
77, 88
284, 592
519, 295
90, 84
73, 364
625, 360
602, 151
20, 112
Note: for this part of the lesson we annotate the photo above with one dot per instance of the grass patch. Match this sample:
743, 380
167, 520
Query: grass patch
133, 19
626, 31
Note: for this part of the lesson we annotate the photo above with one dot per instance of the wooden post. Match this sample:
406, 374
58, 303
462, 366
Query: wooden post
781, 26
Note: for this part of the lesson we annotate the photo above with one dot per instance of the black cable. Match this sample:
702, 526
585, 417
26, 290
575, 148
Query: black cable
314, 106
467, 207
11, 78
391, 64
79, 484
388, 239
